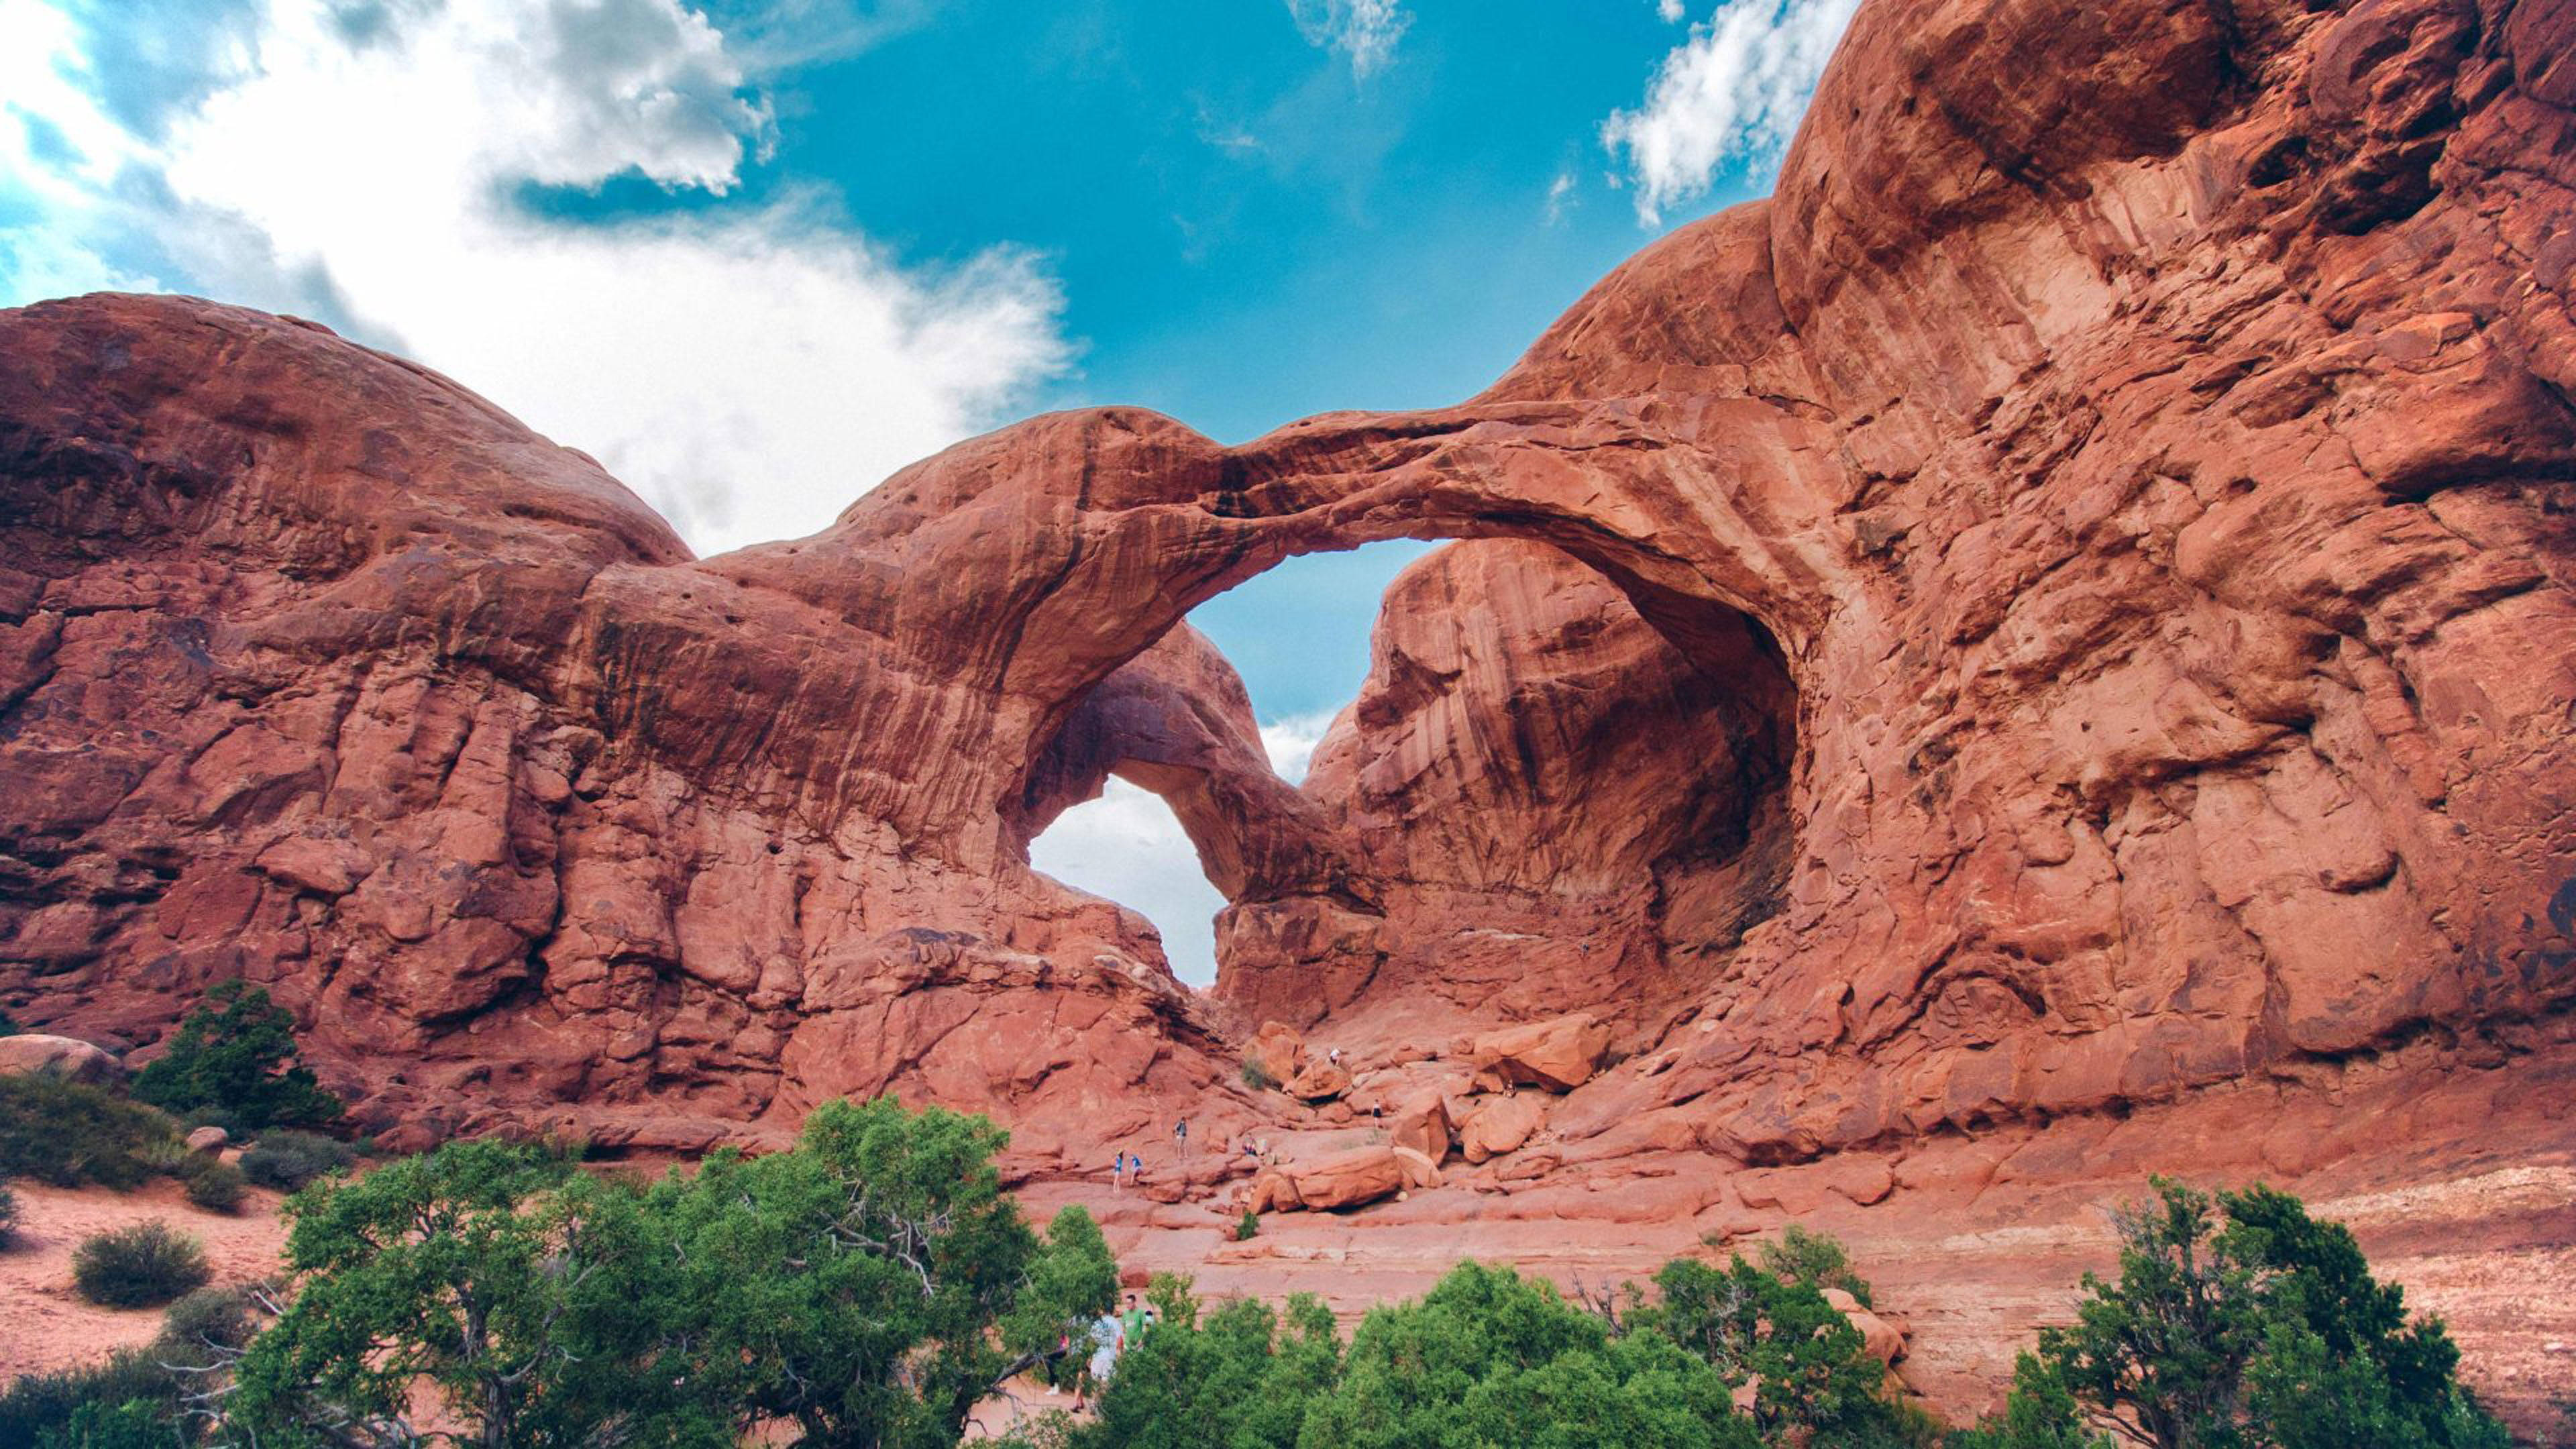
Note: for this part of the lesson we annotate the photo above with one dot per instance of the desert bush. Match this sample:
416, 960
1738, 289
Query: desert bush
204, 1324
167, 1156
224, 1117
2239, 1320
1247, 1227
67, 1133
236, 1052
134, 1399
139, 1266
42, 1409
1818, 1260
214, 1184
287, 1160
1258, 1078
8, 1026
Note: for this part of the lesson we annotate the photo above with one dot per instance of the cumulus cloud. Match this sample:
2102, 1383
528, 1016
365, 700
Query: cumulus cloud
747, 368
1669, 11
1733, 91
1127, 846
1364, 30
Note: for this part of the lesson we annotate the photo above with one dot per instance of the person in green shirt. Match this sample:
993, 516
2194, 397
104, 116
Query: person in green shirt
1132, 1322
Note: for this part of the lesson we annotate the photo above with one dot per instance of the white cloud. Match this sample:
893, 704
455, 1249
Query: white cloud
1364, 30
1733, 91
1669, 10
748, 369
1127, 846
1560, 197
1291, 743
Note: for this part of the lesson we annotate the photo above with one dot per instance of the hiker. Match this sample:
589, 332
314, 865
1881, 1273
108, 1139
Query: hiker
1136, 1169
1334, 1056
1104, 1360
1118, 1172
1132, 1324
1180, 1136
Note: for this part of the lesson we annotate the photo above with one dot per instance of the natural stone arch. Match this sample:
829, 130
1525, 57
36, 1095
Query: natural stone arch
1535, 793
1103, 529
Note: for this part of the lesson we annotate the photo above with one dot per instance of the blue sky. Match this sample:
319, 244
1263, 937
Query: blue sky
756, 254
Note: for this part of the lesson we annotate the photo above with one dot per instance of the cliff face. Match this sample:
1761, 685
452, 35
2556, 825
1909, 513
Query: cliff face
2066, 604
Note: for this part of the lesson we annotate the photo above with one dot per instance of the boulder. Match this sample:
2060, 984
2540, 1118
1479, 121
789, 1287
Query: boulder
1277, 1051
1321, 1081
1419, 1170
209, 1139
1560, 1054
1499, 1125
1884, 1340
59, 1056
1341, 1180
1422, 1124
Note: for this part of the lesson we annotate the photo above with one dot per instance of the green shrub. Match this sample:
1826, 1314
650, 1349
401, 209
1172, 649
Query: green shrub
1818, 1260
8, 1214
1247, 1227
8, 1026
1258, 1078
39, 1409
2269, 1331
214, 1184
288, 1160
133, 1424
205, 1324
167, 1157
224, 1117
139, 1266
67, 1133
236, 1052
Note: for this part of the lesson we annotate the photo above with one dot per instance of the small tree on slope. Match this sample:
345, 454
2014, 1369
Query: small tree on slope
2265, 1333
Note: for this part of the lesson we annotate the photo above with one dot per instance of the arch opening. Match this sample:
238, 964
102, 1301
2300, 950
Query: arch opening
1543, 792
1297, 639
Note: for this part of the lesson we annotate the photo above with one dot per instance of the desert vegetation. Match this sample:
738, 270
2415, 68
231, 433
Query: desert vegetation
232, 1063
874, 1283
234, 1059
139, 1267
2239, 1322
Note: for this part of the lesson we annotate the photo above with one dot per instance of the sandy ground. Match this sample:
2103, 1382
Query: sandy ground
46, 1324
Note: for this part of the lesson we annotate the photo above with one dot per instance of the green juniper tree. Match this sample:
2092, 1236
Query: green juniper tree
236, 1053
864, 1289
2239, 1322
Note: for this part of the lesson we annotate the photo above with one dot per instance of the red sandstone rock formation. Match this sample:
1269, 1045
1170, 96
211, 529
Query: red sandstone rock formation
2065, 605
1559, 1054
1349, 1179
1498, 1125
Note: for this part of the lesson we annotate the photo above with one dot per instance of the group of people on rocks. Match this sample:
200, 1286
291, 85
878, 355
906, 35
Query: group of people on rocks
1130, 1166
1127, 1168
